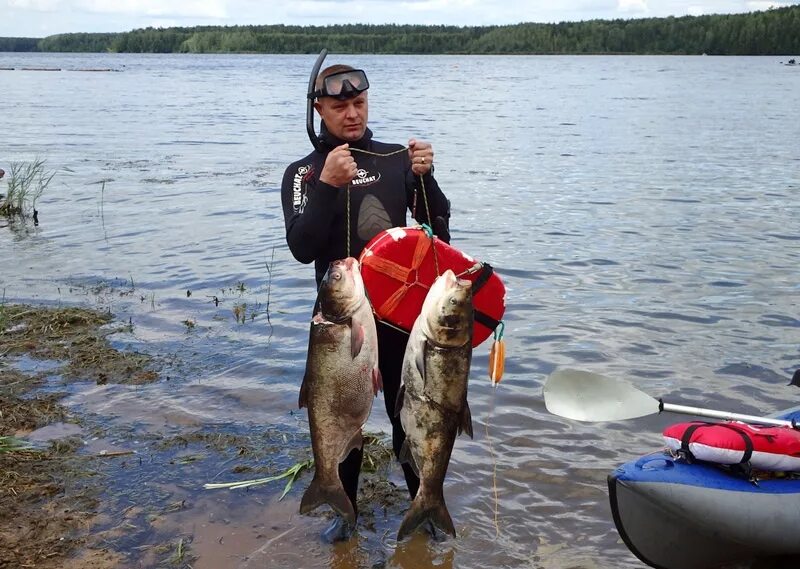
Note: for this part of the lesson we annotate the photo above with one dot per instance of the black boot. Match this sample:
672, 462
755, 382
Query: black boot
339, 530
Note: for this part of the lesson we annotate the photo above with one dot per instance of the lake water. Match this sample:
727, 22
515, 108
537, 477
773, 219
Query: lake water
642, 212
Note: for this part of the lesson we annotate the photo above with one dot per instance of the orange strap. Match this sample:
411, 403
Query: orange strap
399, 272
423, 244
388, 268
393, 301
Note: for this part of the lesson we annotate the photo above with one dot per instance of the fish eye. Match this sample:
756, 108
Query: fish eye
453, 301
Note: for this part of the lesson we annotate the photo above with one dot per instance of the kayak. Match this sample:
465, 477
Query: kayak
673, 514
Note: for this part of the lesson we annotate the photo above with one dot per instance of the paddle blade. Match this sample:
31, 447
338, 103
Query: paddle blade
585, 396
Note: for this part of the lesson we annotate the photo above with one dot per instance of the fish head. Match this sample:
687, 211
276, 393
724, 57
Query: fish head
342, 289
447, 311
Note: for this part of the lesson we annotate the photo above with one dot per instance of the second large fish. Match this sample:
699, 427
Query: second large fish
340, 383
433, 397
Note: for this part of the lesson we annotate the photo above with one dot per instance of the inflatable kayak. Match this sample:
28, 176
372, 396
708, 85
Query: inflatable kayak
400, 264
677, 514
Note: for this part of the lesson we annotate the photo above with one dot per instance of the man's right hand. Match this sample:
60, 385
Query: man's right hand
340, 167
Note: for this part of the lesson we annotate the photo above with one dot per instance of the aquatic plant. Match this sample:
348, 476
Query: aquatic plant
3, 315
240, 312
377, 455
178, 556
73, 334
27, 181
292, 473
9, 444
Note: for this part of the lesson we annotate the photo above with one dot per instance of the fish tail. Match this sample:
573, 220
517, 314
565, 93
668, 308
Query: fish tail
423, 510
316, 494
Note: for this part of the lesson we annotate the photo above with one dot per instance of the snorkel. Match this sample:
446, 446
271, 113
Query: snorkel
312, 133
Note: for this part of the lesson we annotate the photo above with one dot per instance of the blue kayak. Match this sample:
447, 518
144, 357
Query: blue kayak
678, 515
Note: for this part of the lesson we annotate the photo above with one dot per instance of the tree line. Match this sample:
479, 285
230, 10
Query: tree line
772, 32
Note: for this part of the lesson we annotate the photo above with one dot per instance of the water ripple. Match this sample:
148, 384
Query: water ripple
663, 256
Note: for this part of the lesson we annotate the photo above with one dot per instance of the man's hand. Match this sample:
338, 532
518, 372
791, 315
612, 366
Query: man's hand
340, 167
421, 155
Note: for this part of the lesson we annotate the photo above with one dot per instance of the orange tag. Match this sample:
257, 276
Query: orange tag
497, 357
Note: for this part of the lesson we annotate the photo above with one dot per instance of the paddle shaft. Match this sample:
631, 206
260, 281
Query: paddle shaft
724, 415
586, 396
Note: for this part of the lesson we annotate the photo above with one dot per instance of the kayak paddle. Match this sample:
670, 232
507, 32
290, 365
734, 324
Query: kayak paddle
585, 396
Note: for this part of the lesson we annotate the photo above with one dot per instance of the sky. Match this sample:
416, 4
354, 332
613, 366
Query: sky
39, 18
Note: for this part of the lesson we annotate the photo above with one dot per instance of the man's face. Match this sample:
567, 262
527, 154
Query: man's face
347, 119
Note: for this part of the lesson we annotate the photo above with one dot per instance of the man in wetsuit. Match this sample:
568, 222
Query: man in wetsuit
385, 181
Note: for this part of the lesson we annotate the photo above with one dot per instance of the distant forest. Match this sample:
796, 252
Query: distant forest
772, 32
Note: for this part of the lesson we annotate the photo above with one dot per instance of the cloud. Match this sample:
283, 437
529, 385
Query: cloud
35, 5
35, 17
163, 23
215, 9
632, 5
761, 5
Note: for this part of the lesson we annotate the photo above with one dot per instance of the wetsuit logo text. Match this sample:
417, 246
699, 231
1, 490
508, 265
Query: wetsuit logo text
299, 197
364, 178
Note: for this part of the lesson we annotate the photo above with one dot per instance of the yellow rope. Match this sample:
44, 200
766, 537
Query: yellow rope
348, 219
390, 325
348, 186
494, 468
378, 153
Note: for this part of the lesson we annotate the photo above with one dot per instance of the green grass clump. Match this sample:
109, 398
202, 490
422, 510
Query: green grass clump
292, 474
9, 444
26, 184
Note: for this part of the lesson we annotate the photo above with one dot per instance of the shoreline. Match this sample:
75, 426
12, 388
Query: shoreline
93, 495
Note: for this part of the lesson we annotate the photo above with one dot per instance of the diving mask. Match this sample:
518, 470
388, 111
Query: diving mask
343, 85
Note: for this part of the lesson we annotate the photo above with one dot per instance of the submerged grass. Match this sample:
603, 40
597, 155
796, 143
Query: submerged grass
179, 557
41, 523
60, 504
49, 496
74, 335
28, 413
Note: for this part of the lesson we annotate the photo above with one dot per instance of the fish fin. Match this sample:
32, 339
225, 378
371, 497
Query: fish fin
405, 456
398, 402
356, 442
421, 511
795, 378
303, 399
465, 421
419, 362
356, 337
316, 494
377, 380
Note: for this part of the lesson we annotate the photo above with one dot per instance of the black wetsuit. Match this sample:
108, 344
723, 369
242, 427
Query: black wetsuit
383, 191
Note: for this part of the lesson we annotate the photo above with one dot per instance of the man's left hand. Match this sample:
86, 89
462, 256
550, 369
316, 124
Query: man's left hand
421, 155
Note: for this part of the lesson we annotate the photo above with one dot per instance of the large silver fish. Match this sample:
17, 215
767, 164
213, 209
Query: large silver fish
340, 382
433, 397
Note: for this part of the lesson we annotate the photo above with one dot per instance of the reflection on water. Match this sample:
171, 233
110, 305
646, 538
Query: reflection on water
641, 211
